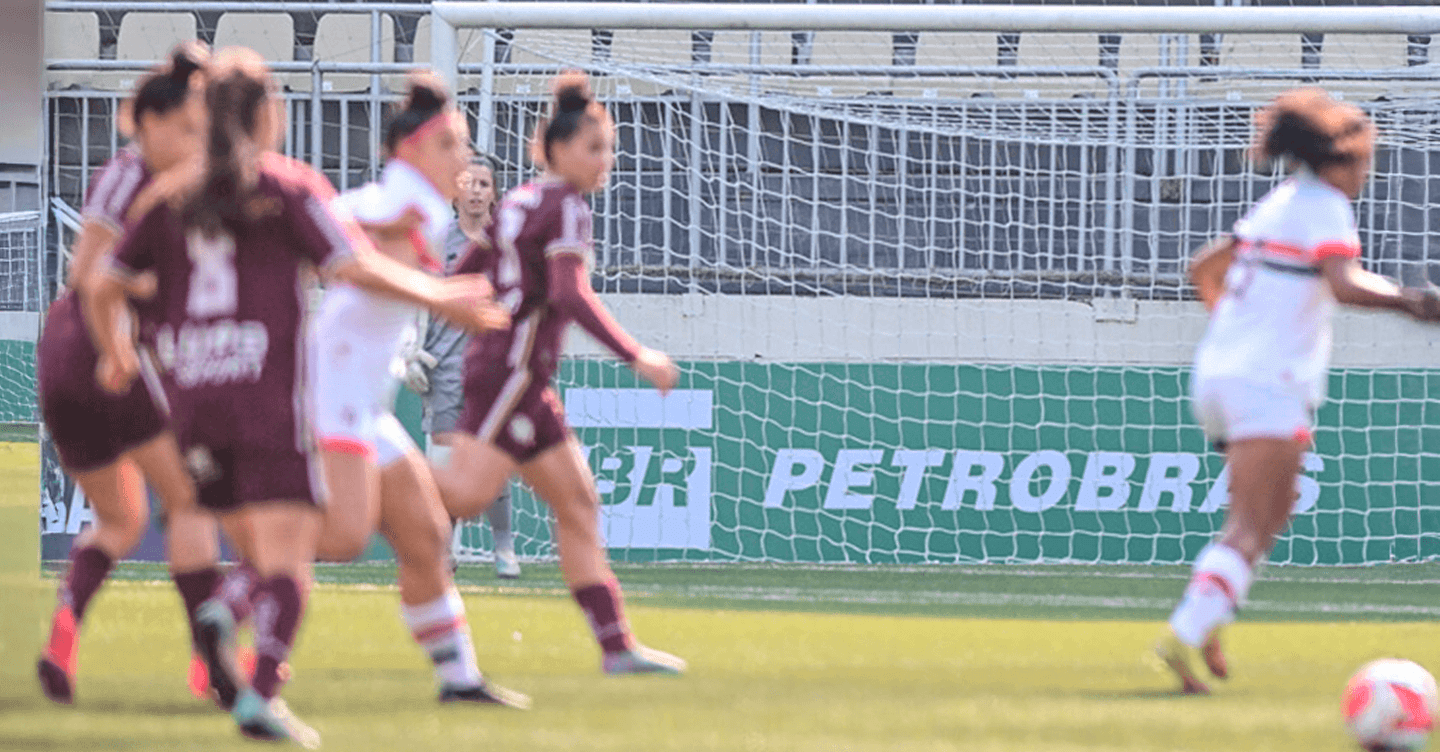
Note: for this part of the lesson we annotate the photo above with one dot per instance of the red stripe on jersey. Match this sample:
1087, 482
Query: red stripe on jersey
1336, 249
428, 262
347, 445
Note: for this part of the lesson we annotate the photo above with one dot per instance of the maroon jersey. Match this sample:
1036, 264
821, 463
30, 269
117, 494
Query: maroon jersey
532, 223
229, 312
538, 260
90, 427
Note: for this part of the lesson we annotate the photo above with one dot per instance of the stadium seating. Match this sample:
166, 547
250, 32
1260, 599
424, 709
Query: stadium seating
470, 48
1059, 50
71, 36
850, 48
272, 35
733, 48
345, 38
1363, 52
646, 47
523, 48
148, 37
949, 49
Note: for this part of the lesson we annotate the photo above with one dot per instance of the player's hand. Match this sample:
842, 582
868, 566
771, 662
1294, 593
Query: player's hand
142, 286
418, 365
466, 301
657, 368
116, 372
1423, 303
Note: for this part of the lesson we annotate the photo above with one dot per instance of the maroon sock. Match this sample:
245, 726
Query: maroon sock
605, 608
195, 588
238, 589
89, 566
278, 606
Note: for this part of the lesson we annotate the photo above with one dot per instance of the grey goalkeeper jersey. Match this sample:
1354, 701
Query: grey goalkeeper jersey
443, 340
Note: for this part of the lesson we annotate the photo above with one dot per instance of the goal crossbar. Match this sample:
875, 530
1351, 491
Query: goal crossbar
1020, 18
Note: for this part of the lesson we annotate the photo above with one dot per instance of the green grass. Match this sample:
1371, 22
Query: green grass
783, 658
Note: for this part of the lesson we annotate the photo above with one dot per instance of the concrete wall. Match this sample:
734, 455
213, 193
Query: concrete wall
853, 329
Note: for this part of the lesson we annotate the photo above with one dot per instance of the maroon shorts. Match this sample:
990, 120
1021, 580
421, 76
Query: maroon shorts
91, 428
515, 412
228, 479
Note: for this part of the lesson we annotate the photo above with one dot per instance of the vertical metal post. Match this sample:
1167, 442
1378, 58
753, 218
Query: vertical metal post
444, 57
697, 132
373, 142
317, 112
487, 116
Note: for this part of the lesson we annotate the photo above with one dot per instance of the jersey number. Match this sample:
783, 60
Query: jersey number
507, 273
213, 284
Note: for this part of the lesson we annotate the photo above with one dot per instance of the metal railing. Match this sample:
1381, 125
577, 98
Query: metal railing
741, 189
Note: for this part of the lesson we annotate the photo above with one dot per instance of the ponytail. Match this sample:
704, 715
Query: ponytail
168, 86
573, 106
224, 201
424, 100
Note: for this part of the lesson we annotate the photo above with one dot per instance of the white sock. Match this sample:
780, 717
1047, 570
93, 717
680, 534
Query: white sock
438, 454
440, 627
505, 542
1221, 583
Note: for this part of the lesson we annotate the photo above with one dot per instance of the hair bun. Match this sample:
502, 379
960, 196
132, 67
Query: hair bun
426, 94
186, 59
572, 93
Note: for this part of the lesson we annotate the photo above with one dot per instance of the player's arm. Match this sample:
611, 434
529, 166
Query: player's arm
571, 294
334, 242
103, 292
1208, 267
464, 300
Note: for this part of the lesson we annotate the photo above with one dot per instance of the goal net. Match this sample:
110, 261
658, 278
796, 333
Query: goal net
926, 290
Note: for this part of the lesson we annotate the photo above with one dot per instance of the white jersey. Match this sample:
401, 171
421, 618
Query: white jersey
356, 336
1272, 326
401, 188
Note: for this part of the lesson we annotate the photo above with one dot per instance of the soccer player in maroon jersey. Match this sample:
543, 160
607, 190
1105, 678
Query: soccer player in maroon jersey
233, 241
108, 441
512, 420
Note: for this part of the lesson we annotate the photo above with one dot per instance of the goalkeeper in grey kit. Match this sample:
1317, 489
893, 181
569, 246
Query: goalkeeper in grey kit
435, 371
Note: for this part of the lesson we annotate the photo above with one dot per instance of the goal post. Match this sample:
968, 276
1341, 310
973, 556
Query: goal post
922, 267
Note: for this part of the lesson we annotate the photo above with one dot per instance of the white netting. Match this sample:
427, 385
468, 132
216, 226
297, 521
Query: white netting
900, 293
20, 296
910, 276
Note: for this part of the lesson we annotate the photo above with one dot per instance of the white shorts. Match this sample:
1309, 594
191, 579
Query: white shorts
353, 391
1231, 409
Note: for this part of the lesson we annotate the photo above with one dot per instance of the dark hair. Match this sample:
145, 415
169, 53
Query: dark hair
574, 106
240, 85
1306, 125
424, 99
166, 87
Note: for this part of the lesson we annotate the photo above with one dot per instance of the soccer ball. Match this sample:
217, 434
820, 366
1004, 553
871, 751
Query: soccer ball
1390, 704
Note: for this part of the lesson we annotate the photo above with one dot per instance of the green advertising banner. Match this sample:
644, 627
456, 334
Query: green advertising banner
901, 463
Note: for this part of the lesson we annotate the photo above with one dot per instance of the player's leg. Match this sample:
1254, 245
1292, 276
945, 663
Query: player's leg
473, 477
284, 545
561, 477
507, 565
353, 510
415, 523
116, 494
343, 402
1262, 492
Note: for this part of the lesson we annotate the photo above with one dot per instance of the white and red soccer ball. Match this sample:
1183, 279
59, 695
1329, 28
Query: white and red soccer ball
1390, 704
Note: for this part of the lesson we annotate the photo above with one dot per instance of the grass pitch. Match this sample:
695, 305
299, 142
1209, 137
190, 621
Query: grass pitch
782, 658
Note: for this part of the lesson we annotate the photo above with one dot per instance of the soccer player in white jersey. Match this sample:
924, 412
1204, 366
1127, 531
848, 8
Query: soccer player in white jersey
1260, 370
377, 477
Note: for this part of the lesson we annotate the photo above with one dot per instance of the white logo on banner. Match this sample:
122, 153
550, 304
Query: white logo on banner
671, 513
